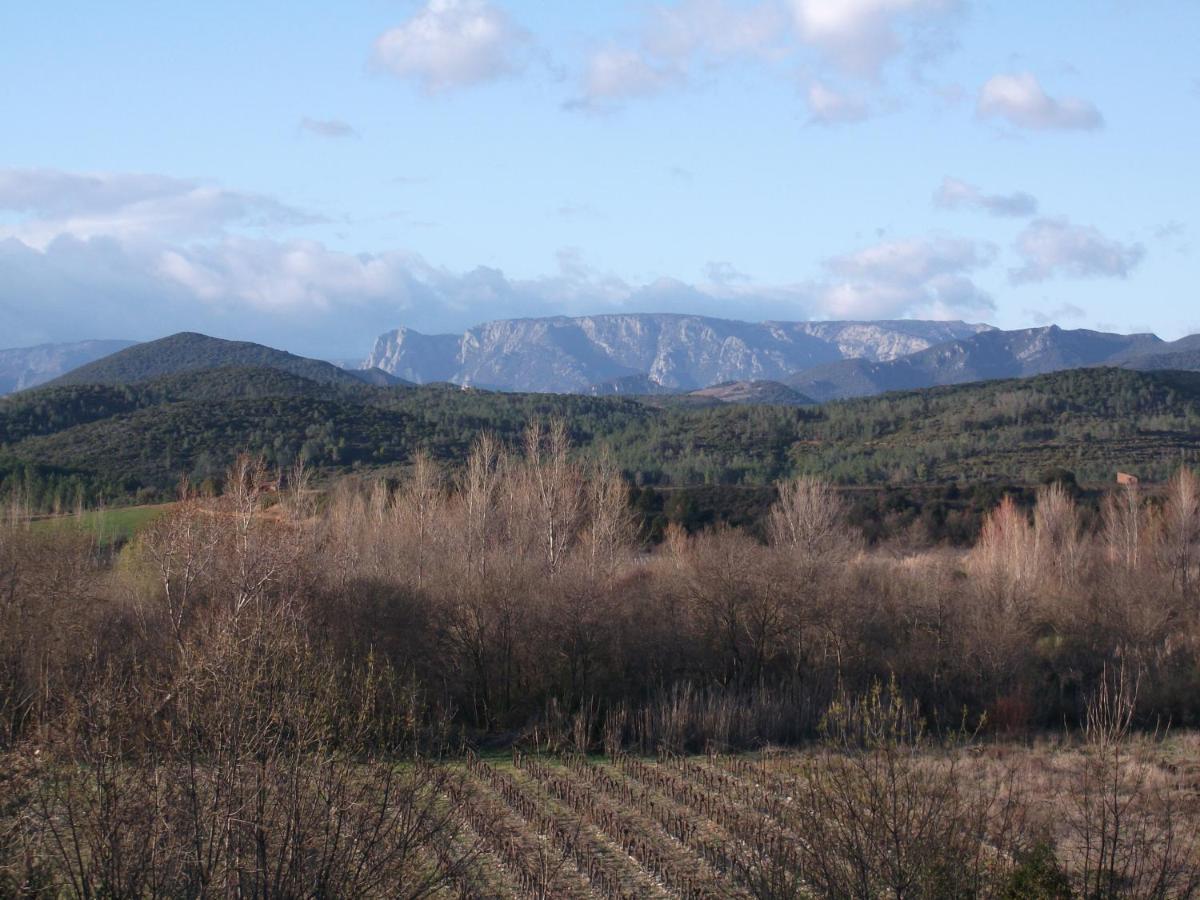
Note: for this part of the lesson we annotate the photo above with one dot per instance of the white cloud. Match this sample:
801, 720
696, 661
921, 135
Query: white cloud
298, 276
829, 107
327, 128
48, 203
452, 44
925, 277
912, 260
615, 74
715, 30
682, 42
859, 36
1050, 247
296, 294
678, 41
1021, 100
956, 194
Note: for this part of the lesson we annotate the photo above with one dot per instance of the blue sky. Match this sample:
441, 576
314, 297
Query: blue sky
311, 174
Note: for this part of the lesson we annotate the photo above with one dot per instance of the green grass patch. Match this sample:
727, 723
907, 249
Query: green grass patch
108, 526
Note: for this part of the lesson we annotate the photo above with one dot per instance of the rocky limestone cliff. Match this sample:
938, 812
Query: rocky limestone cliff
680, 352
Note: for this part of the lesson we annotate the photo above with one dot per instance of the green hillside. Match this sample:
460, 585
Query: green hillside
1089, 421
96, 443
190, 352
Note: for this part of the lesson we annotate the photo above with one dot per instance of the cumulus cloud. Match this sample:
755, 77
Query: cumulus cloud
682, 42
956, 194
1021, 100
1051, 247
615, 74
294, 294
268, 275
928, 277
47, 203
913, 260
860, 36
715, 30
452, 44
675, 41
678, 40
327, 128
829, 107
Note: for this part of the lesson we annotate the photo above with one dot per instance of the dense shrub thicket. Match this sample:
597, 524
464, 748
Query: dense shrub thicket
520, 591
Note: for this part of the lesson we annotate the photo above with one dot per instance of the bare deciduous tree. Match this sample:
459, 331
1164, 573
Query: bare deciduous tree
182, 545
258, 557
1181, 530
477, 494
1057, 531
1005, 558
1127, 527
809, 520
610, 532
557, 486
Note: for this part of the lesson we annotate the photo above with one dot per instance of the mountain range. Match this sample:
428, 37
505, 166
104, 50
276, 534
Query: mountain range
982, 357
646, 355
676, 352
703, 360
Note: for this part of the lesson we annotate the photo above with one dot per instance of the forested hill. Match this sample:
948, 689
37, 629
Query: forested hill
119, 443
190, 352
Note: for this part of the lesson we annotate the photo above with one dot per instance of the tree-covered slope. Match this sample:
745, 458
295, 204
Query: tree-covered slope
1090, 421
104, 442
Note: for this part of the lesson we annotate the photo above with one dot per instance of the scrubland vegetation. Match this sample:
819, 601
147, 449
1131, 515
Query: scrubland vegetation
484, 682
